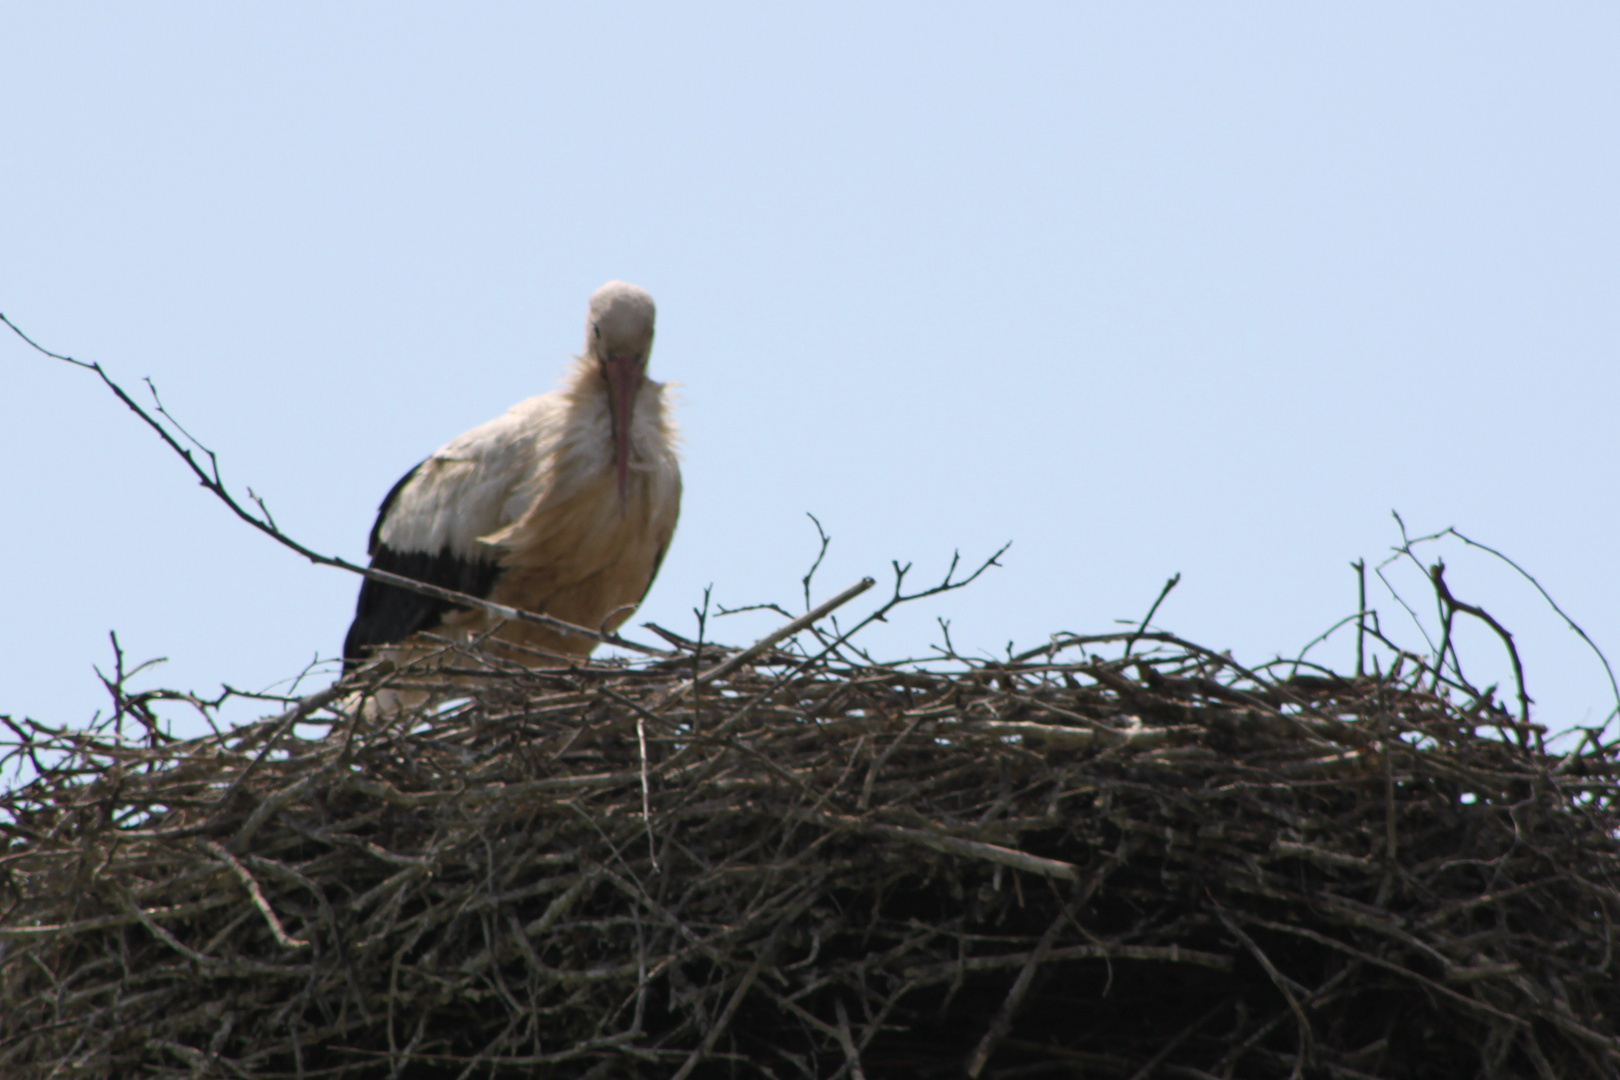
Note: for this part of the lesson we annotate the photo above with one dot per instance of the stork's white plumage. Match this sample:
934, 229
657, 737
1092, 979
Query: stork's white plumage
564, 506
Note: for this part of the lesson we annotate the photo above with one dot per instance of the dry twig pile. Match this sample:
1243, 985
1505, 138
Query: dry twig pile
1119, 856
1085, 861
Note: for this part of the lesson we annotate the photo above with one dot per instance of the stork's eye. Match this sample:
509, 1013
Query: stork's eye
596, 328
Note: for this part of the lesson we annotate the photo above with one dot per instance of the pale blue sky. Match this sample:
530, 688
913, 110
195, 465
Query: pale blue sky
1142, 288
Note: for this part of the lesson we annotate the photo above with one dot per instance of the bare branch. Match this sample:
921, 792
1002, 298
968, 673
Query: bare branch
210, 479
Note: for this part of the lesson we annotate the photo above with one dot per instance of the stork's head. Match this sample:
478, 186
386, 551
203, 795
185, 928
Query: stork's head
620, 322
618, 337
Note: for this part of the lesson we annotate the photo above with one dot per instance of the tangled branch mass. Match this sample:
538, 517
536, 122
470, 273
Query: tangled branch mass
1083, 861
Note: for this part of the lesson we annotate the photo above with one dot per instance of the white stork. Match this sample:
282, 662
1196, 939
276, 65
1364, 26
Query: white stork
564, 506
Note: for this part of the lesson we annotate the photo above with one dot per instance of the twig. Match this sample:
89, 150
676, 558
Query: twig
251, 884
956, 845
1157, 954
1174, 1044
1307, 1039
1175, 579
732, 663
646, 791
299, 712
1437, 574
1360, 566
1002, 1023
1614, 686
821, 554
852, 1056
715, 1029
881, 760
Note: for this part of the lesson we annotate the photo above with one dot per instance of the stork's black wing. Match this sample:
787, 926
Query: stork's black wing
385, 614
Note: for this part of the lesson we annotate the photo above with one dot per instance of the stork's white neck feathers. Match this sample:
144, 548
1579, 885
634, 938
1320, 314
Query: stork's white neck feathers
585, 435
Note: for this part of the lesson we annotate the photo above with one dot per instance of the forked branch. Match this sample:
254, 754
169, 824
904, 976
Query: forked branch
210, 478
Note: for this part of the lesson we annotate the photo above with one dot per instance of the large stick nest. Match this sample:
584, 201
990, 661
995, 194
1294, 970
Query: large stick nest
1066, 864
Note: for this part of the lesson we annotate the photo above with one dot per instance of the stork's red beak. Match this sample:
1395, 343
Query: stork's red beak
623, 373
